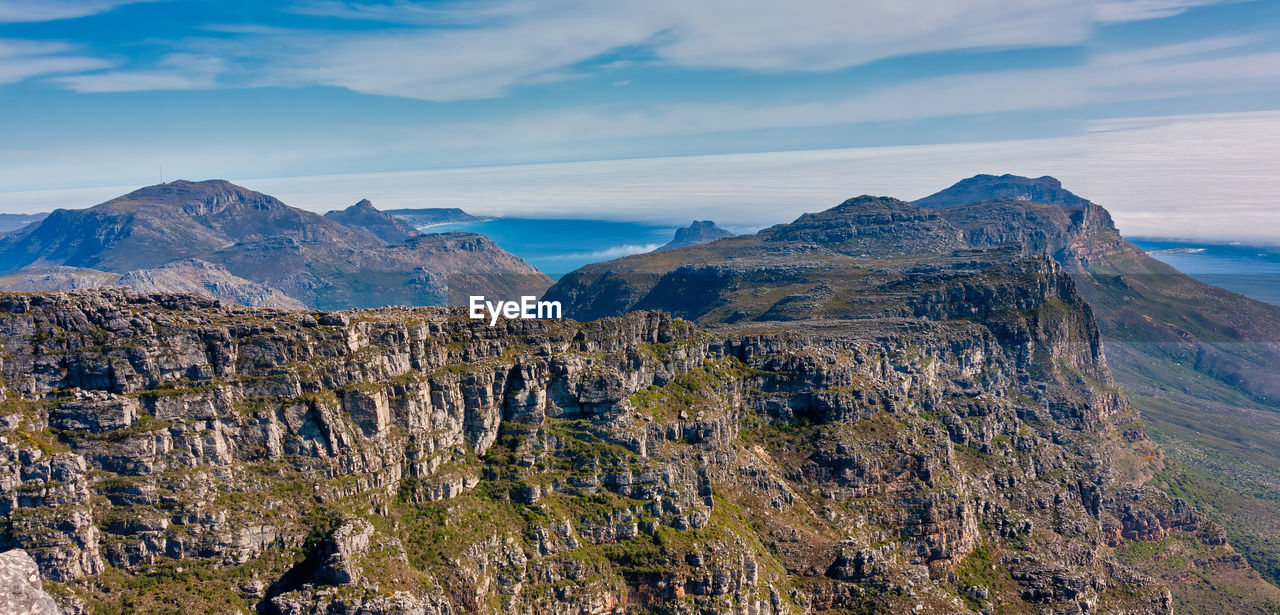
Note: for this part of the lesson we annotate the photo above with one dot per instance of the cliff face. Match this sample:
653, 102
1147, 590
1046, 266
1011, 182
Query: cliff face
164, 450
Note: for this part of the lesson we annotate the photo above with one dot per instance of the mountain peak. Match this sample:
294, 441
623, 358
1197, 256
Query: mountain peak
195, 197
700, 232
984, 187
365, 217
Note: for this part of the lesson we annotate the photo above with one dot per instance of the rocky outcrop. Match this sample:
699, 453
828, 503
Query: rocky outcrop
698, 233
20, 587
414, 460
366, 217
197, 277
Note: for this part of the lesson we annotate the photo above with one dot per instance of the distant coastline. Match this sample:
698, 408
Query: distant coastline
1177, 251
1250, 270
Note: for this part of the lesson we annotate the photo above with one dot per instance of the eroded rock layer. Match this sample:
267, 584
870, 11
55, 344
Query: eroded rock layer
165, 453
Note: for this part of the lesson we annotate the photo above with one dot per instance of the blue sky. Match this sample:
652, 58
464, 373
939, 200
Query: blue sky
106, 93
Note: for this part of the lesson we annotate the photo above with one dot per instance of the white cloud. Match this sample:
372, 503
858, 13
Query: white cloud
1119, 11
175, 72
618, 251
448, 51
23, 59
1154, 73
502, 44
29, 11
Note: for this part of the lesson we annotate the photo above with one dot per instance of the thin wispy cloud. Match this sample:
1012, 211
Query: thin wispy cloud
1119, 11
24, 59
175, 72
28, 11
457, 51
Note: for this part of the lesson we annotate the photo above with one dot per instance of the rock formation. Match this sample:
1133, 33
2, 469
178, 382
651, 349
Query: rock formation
164, 448
700, 232
365, 216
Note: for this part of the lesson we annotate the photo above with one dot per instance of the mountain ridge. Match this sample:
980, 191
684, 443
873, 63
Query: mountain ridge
316, 260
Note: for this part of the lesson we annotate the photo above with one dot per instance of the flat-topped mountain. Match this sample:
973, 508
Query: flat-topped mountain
1045, 190
13, 222
430, 216
365, 216
318, 261
700, 232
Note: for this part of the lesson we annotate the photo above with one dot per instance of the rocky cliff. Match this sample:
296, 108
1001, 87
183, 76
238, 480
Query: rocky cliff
168, 454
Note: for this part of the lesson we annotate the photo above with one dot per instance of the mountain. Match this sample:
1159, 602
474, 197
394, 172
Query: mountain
700, 232
13, 222
1199, 362
1044, 190
432, 216
364, 216
315, 260
165, 453
817, 266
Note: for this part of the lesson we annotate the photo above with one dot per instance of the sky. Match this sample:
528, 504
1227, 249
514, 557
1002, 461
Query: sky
749, 112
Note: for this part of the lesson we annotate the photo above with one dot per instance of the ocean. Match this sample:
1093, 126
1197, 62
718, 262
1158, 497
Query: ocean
560, 246
1253, 271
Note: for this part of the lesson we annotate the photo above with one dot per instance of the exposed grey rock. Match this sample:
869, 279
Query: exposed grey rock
21, 592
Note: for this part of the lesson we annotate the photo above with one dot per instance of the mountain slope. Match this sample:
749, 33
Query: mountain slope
1202, 363
315, 260
365, 216
866, 258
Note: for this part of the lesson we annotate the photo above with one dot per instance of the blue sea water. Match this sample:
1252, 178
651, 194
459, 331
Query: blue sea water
559, 246
1253, 271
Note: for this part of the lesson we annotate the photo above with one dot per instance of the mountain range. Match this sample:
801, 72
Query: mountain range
359, 257
1200, 363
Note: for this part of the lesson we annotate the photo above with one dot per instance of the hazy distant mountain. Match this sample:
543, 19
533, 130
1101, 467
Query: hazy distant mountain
365, 216
318, 261
700, 232
1045, 190
13, 222
434, 215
